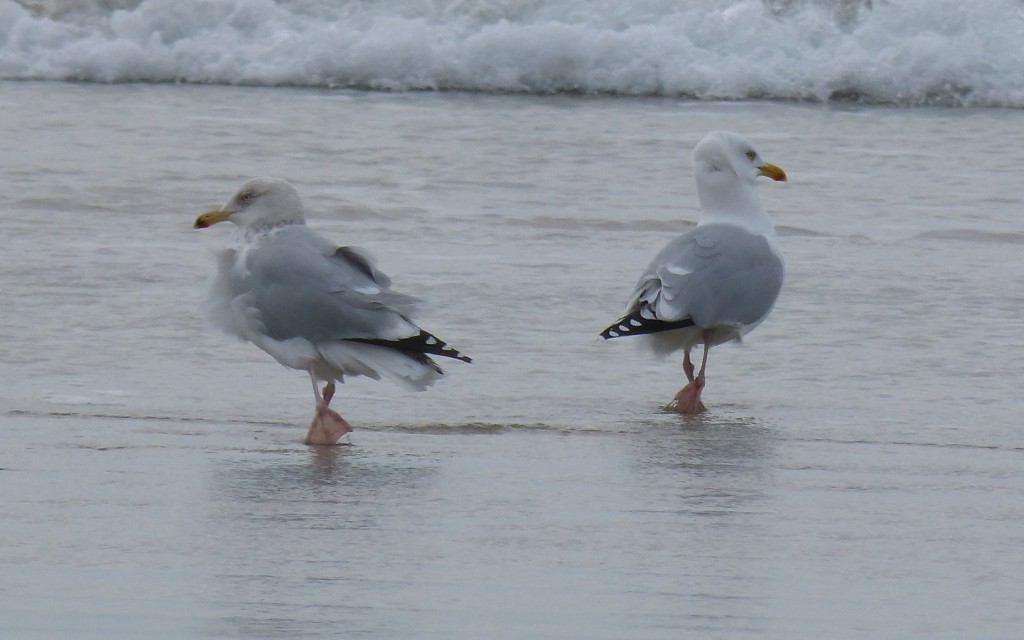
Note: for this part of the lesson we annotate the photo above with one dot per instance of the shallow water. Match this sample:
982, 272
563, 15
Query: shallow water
858, 473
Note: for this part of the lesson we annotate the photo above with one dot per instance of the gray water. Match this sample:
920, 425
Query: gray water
859, 473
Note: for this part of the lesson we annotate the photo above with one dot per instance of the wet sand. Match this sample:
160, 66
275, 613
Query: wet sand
858, 473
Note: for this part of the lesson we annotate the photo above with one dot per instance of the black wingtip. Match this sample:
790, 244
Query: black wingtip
637, 323
424, 343
442, 348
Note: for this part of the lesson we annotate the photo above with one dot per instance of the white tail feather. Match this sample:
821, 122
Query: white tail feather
374, 361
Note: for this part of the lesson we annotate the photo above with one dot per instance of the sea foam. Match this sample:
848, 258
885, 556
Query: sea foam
916, 52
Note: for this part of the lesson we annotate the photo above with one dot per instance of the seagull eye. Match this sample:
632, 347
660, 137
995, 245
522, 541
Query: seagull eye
245, 198
751, 154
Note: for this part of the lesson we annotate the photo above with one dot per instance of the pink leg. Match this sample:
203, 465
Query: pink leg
328, 426
687, 401
687, 365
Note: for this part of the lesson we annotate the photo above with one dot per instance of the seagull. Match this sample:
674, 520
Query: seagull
312, 305
717, 282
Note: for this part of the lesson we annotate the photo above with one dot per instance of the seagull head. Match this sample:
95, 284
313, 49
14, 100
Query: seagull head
260, 203
727, 155
726, 166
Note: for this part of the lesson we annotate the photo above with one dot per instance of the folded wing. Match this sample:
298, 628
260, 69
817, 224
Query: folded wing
717, 274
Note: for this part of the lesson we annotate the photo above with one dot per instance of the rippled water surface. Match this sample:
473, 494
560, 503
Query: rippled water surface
858, 474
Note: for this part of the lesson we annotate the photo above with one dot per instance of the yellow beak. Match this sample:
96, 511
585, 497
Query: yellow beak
767, 169
210, 218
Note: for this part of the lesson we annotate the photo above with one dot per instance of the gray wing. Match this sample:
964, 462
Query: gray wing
299, 284
715, 274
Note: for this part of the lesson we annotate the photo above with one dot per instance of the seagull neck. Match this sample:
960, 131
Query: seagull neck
739, 207
264, 230
755, 222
